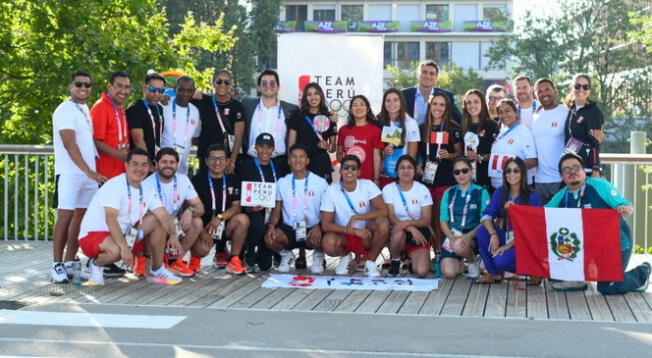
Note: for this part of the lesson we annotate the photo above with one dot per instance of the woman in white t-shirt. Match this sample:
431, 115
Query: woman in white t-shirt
409, 206
394, 116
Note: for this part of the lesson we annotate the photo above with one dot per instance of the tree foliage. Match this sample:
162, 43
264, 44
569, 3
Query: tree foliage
43, 41
264, 17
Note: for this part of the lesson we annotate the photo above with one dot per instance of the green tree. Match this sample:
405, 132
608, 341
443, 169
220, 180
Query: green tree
264, 17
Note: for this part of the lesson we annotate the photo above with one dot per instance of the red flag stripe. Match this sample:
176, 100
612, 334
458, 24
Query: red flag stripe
602, 261
531, 243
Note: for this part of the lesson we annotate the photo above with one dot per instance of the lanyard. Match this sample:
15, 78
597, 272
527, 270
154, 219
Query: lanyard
140, 200
507, 132
534, 108
467, 200
151, 118
122, 135
175, 193
86, 115
259, 109
260, 170
441, 129
210, 184
305, 198
219, 117
346, 196
311, 124
174, 122
405, 205
579, 199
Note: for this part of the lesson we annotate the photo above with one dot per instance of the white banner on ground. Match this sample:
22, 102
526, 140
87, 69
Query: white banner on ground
343, 65
350, 283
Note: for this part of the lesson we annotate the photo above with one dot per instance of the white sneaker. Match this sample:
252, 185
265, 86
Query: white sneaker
163, 274
287, 258
342, 267
97, 273
84, 274
58, 273
317, 262
370, 269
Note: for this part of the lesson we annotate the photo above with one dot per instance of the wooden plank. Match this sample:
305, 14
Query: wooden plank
189, 286
333, 300
516, 305
373, 302
647, 296
234, 293
497, 300
222, 287
476, 300
137, 291
252, 298
436, 299
353, 301
291, 300
273, 298
414, 302
578, 306
620, 308
394, 302
312, 300
537, 306
598, 306
640, 308
557, 305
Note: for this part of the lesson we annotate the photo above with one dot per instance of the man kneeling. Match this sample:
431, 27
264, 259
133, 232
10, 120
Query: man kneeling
361, 224
123, 205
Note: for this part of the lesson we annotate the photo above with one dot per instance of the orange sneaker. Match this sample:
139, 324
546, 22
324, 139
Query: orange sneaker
235, 266
221, 259
195, 263
179, 267
139, 267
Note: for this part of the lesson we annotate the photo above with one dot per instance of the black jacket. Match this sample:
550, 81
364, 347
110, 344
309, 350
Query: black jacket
579, 123
411, 92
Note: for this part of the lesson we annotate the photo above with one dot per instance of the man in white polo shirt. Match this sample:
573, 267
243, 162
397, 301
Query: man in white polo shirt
548, 129
74, 167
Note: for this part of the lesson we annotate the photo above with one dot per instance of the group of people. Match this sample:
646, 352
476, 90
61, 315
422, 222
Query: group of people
446, 184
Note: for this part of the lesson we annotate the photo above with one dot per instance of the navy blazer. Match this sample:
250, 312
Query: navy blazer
411, 92
250, 103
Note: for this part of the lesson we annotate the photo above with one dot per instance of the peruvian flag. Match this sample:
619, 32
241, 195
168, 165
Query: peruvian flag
567, 244
439, 137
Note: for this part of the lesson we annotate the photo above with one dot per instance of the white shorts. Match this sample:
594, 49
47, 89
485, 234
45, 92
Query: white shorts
75, 191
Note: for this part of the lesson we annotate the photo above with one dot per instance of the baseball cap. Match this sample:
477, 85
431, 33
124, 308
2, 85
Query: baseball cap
265, 138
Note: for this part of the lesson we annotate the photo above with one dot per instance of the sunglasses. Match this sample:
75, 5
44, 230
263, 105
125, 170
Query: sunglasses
586, 87
82, 84
271, 84
510, 171
156, 89
573, 169
220, 82
349, 166
461, 171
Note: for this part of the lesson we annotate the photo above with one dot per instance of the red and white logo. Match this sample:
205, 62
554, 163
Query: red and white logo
227, 111
415, 201
510, 141
311, 193
358, 152
362, 204
554, 124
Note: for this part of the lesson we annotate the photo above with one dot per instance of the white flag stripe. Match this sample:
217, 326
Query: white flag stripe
104, 320
569, 269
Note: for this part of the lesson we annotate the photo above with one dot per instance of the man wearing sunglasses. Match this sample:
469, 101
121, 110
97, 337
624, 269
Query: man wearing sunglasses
354, 219
145, 117
268, 114
417, 97
597, 193
74, 167
548, 124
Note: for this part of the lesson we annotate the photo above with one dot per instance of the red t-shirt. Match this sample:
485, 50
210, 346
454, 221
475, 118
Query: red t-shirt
361, 141
106, 129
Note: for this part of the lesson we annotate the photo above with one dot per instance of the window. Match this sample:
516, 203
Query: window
323, 13
298, 13
466, 54
407, 13
401, 54
437, 12
494, 12
380, 12
464, 13
438, 51
352, 14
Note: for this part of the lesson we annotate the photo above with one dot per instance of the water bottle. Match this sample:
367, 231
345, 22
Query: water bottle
437, 266
76, 272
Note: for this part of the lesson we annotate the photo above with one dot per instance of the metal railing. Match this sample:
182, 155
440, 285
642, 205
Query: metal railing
27, 175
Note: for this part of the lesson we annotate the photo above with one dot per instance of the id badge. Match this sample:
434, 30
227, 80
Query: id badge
268, 214
509, 236
220, 231
446, 245
179, 149
429, 172
231, 142
573, 145
180, 233
301, 231
131, 235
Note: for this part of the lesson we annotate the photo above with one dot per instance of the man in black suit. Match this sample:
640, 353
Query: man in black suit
416, 98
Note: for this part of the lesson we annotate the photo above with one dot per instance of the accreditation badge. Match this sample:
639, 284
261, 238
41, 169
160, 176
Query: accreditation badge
301, 232
429, 172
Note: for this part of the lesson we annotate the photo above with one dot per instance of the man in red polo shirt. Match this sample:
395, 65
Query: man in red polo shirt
110, 129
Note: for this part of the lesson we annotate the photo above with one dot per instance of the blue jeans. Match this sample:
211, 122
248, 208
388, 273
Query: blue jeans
503, 262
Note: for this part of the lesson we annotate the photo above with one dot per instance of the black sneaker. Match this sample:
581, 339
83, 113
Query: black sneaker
112, 270
300, 263
395, 268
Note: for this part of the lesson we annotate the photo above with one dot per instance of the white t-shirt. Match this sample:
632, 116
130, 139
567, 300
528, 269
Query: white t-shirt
173, 138
75, 116
526, 114
548, 131
114, 194
335, 201
268, 120
171, 200
316, 188
517, 142
417, 197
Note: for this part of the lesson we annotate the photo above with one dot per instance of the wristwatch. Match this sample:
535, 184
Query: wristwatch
191, 209
219, 216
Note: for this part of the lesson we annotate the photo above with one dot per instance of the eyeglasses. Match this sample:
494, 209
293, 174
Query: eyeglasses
271, 84
514, 170
573, 169
156, 89
220, 82
585, 86
349, 166
216, 159
80, 84
461, 171
495, 98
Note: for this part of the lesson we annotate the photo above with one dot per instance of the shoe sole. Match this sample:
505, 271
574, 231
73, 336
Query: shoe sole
113, 275
235, 272
179, 273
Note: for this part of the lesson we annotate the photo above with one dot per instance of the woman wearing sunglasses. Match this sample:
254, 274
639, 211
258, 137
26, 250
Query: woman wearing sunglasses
311, 126
394, 116
584, 124
461, 209
409, 206
495, 237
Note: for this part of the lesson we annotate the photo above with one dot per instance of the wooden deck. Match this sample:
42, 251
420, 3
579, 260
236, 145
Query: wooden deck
25, 268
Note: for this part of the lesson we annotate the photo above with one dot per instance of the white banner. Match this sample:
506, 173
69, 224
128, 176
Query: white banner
343, 65
256, 193
350, 283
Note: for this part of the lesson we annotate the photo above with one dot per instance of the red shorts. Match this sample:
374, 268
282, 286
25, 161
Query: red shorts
408, 249
355, 244
385, 180
90, 244
438, 192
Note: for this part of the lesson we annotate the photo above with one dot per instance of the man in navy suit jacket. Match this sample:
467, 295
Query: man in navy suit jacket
416, 98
